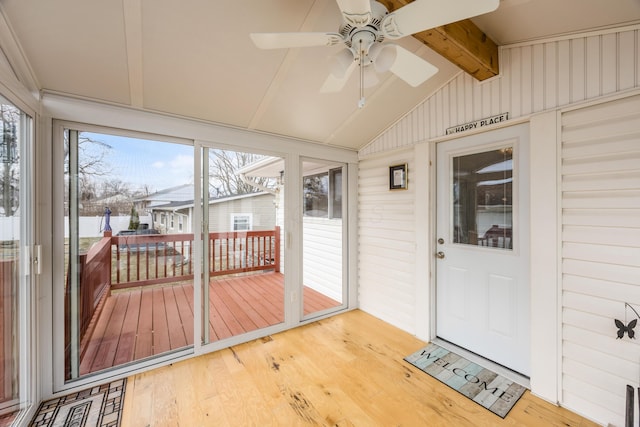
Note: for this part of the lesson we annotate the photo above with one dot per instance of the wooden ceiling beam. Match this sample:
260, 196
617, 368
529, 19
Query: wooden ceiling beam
462, 43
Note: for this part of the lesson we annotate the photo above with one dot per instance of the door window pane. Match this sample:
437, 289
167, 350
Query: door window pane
482, 199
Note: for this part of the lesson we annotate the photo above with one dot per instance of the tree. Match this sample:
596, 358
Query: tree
9, 156
224, 179
91, 165
134, 221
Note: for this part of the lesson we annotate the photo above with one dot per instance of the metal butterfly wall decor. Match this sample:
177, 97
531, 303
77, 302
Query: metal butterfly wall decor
628, 328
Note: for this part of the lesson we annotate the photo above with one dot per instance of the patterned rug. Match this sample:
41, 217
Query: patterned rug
100, 406
495, 392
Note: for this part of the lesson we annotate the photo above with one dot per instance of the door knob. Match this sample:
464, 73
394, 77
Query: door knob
440, 255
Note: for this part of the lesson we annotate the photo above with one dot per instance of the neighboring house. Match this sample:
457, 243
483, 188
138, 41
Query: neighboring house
180, 193
254, 211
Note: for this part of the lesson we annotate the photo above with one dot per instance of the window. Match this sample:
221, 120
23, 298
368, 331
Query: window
180, 221
172, 219
323, 194
241, 221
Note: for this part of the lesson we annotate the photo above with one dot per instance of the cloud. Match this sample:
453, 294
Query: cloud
182, 161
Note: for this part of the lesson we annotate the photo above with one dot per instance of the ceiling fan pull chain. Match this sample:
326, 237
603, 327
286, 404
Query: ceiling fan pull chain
361, 55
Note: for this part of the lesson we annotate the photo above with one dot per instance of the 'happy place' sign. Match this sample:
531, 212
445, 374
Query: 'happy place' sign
478, 124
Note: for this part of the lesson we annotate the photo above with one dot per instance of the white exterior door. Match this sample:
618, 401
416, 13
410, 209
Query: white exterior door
482, 245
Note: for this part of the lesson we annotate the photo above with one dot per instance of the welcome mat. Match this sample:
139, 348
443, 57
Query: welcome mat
100, 406
495, 392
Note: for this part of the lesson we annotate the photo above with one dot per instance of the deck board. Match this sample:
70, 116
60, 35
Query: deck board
127, 342
177, 338
161, 342
144, 336
143, 322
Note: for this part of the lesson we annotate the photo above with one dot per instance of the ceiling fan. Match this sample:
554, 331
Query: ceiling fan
366, 25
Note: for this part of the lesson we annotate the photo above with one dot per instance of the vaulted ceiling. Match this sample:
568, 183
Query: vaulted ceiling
195, 59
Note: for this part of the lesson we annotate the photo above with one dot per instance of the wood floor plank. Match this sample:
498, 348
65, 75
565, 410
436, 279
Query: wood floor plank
346, 370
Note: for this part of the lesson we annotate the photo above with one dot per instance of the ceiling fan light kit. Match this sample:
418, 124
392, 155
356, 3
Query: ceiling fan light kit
366, 25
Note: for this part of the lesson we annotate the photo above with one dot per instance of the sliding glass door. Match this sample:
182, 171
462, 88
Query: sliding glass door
243, 283
16, 243
171, 247
128, 288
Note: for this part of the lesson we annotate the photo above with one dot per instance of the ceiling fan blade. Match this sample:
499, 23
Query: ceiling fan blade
421, 15
291, 40
335, 83
406, 65
355, 12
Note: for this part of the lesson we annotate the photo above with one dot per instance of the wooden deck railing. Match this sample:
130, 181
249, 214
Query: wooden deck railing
243, 251
141, 260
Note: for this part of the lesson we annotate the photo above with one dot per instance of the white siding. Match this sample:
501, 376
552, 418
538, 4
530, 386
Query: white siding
261, 207
387, 241
600, 255
322, 260
533, 78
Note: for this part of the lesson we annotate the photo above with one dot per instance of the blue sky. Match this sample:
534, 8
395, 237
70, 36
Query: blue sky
138, 162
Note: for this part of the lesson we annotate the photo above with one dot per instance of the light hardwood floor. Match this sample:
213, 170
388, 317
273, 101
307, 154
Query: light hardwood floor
347, 370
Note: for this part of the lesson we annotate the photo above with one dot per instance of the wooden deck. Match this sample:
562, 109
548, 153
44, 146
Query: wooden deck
147, 321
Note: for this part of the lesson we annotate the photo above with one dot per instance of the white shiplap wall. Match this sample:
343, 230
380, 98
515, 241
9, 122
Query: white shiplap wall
533, 78
387, 241
600, 255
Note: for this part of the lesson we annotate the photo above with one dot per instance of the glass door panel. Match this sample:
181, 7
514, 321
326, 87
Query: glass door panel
15, 277
243, 265
483, 199
323, 241
128, 245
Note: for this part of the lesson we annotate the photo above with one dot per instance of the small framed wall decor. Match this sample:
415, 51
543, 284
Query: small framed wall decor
398, 177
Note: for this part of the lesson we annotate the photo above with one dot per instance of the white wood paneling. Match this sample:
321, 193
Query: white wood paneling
533, 78
386, 233
600, 251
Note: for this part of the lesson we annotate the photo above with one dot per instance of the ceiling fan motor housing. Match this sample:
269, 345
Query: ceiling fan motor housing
360, 38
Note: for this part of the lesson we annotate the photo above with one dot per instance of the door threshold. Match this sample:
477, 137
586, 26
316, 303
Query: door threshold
476, 358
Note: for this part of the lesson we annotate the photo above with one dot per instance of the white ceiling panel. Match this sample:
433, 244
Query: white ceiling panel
74, 46
194, 58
